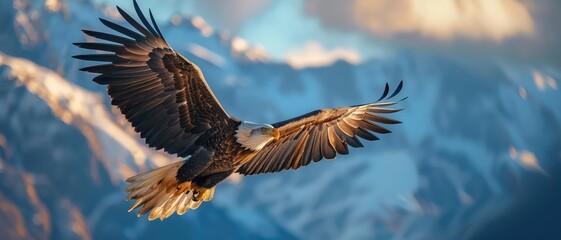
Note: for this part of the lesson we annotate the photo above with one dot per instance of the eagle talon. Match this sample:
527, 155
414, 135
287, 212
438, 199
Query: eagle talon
195, 196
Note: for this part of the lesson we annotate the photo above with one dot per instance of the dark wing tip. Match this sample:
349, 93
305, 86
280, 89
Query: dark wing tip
90, 33
386, 91
100, 80
122, 12
106, 22
137, 8
155, 25
119, 9
96, 57
397, 90
383, 131
83, 56
123, 30
143, 19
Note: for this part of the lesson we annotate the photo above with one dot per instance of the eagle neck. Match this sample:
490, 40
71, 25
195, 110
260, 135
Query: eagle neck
246, 139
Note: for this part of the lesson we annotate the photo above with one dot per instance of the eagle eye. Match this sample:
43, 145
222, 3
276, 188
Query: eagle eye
262, 129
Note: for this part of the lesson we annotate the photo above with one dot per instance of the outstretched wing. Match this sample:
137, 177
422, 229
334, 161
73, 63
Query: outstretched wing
162, 94
322, 134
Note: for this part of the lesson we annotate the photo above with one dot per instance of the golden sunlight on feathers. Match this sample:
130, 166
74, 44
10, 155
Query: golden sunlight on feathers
159, 191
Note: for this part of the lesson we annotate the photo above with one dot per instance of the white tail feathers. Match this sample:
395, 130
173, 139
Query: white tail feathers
158, 190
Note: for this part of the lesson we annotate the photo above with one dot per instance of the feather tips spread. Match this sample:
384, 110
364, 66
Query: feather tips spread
159, 192
322, 134
152, 84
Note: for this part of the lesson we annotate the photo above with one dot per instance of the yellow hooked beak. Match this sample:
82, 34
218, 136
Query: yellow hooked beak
276, 134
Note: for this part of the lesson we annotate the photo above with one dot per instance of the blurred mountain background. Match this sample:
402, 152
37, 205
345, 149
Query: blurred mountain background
478, 155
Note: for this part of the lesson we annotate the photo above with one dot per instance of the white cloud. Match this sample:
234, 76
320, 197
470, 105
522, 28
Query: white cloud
313, 55
445, 19
522, 31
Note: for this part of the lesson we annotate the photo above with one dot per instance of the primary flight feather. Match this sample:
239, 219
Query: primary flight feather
167, 100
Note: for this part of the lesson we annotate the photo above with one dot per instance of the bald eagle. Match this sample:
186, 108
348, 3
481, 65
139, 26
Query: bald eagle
167, 100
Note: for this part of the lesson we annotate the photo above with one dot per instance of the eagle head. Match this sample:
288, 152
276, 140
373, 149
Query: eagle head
255, 136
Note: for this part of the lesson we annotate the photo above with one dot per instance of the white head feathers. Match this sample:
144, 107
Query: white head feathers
254, 136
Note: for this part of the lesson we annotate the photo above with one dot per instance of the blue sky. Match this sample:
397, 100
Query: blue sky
278, 26
283, 27
506, 30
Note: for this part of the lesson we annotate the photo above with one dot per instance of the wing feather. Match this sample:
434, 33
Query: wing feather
339, 146
366, 134
326, 149
316, 151
345, 128
338, 142
373, 127
307, 148
163, 95
322, 134
122, 30
107, 36
354, 142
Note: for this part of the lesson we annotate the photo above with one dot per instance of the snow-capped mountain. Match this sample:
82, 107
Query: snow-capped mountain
475, 135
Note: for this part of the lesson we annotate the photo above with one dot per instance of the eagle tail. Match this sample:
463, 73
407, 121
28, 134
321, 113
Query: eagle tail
159, 192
